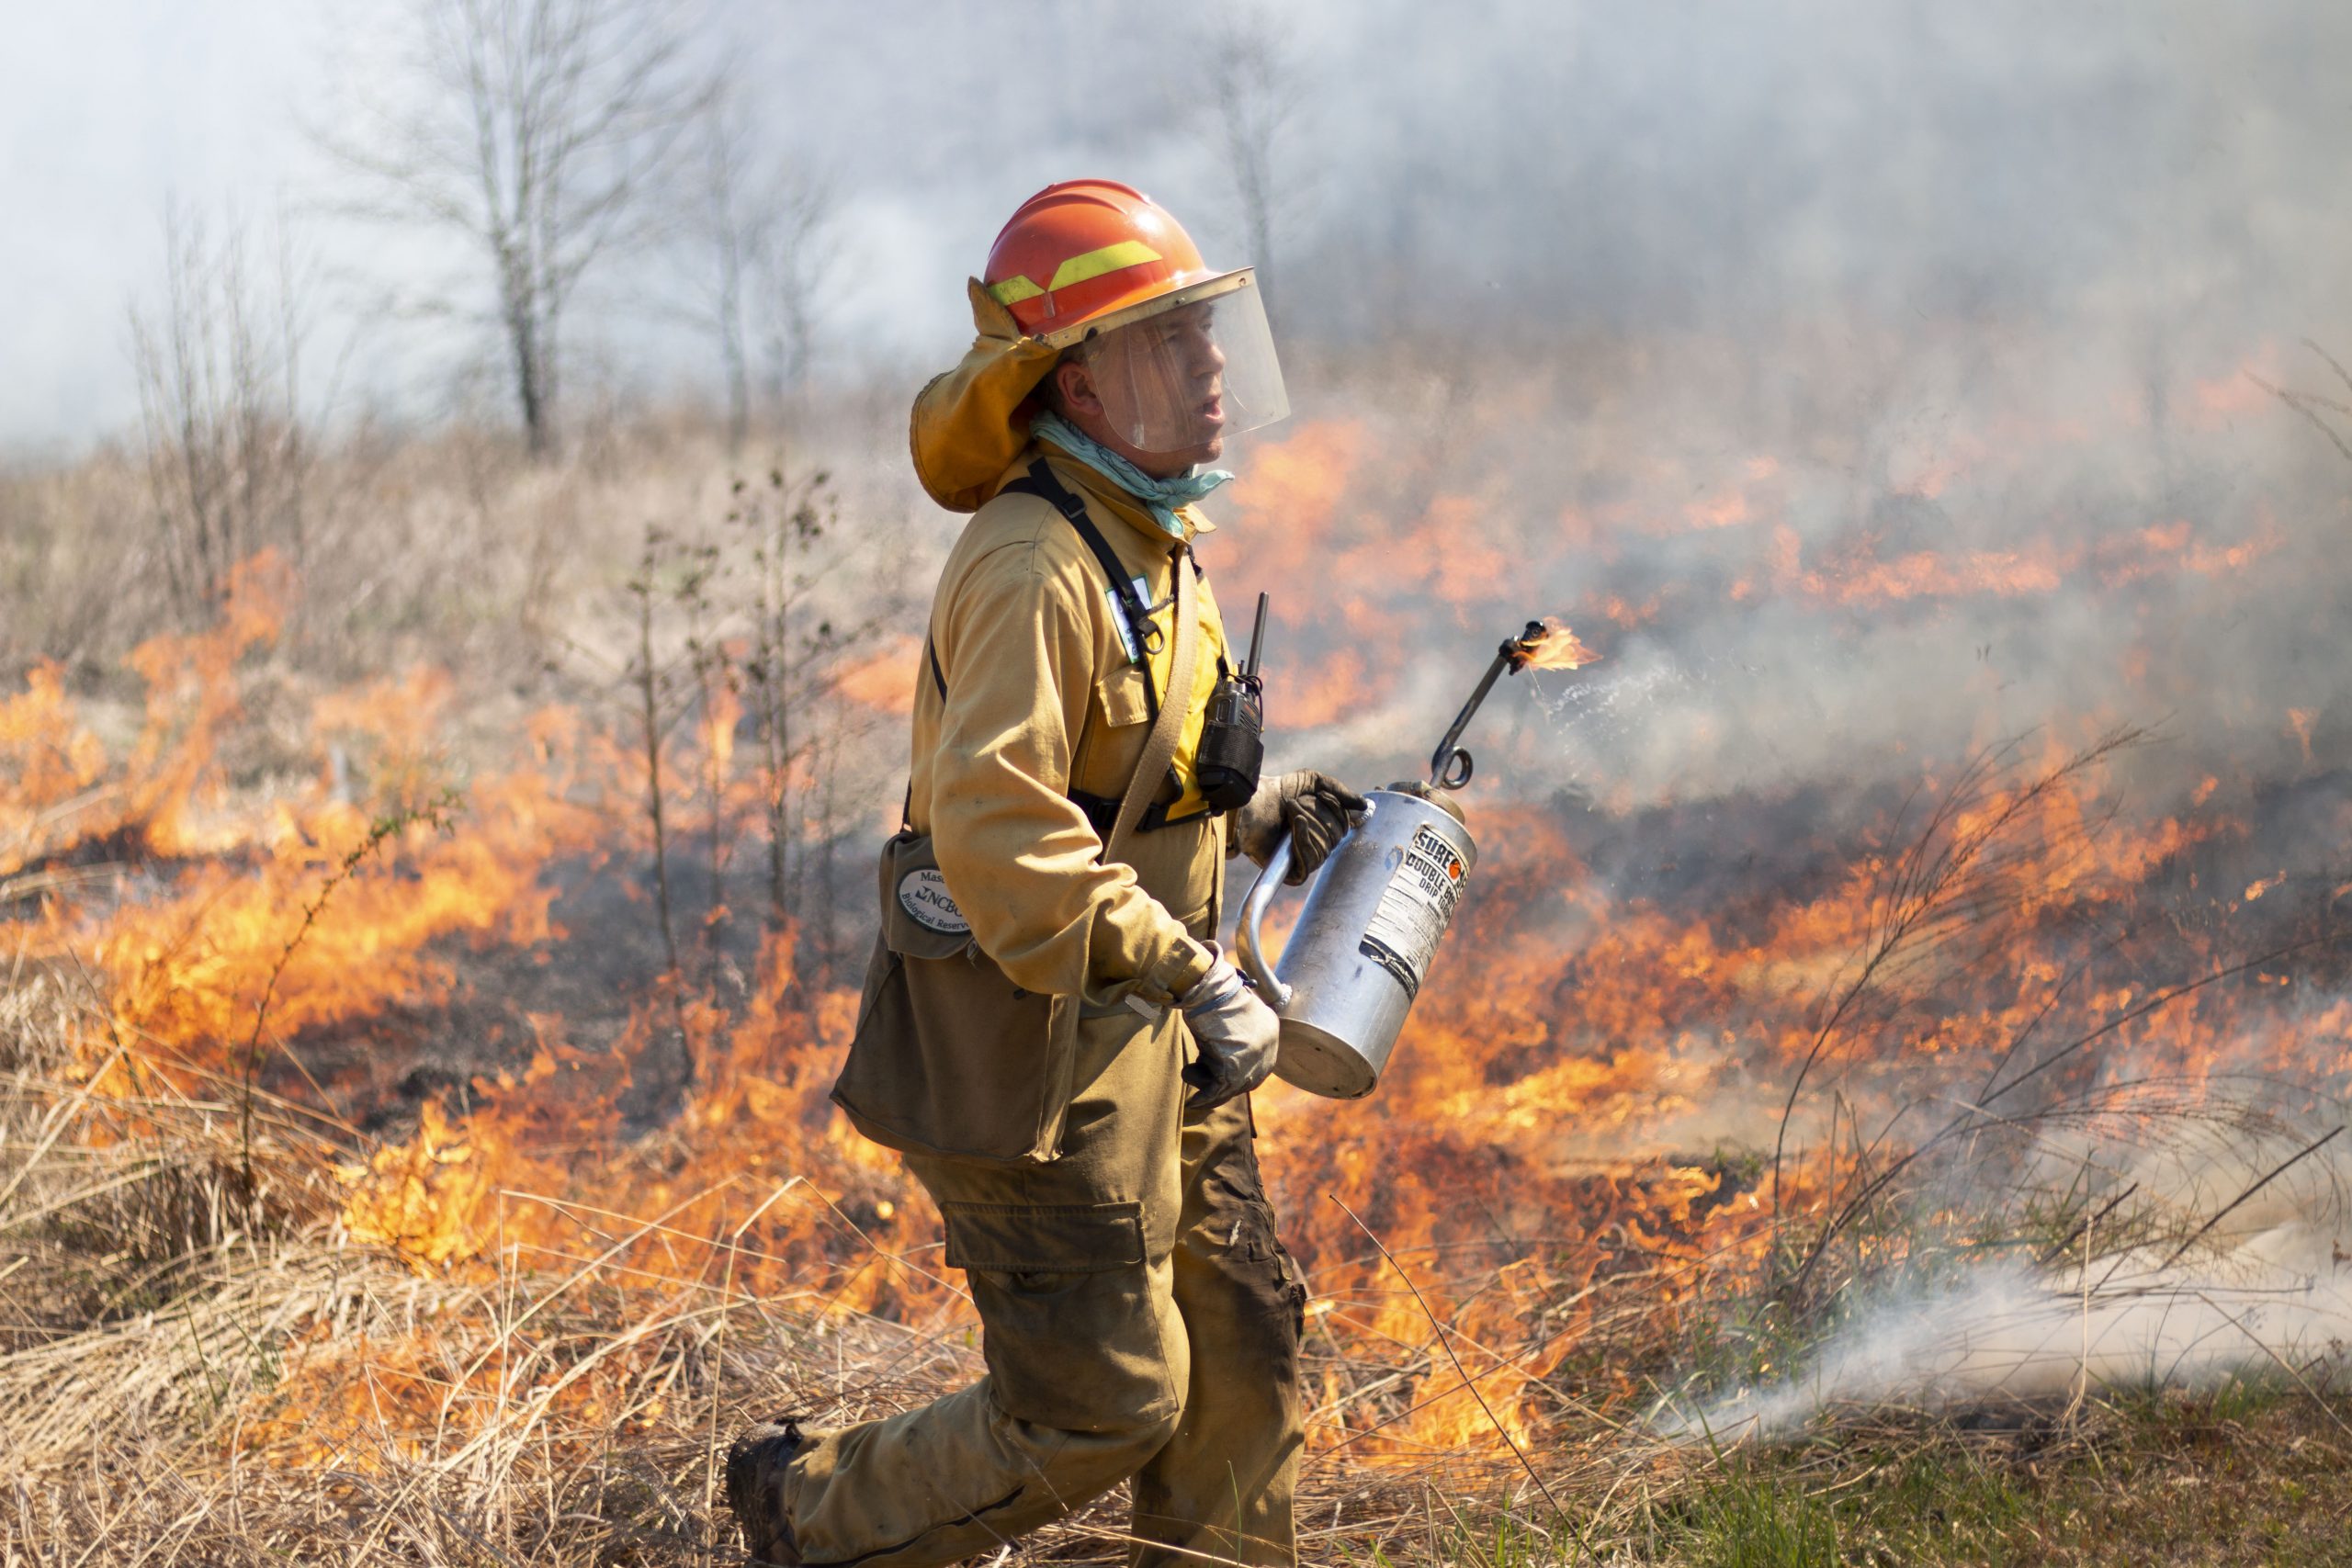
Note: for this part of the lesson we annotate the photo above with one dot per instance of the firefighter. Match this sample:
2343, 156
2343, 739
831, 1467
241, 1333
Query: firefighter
1049, 1034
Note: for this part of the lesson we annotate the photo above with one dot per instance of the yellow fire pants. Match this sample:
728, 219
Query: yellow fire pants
1140, 1322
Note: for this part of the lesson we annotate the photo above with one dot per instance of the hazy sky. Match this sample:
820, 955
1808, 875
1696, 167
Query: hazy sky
107, 106
1482, 167
110, 108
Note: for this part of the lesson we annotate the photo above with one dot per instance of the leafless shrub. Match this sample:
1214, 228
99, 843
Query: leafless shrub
752, 620
802, 641
229, 448
654, 679
2331, 416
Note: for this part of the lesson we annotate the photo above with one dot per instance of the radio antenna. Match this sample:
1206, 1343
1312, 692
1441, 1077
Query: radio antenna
1257, 642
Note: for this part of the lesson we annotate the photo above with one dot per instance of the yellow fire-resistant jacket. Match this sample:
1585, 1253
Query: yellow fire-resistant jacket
1042, 699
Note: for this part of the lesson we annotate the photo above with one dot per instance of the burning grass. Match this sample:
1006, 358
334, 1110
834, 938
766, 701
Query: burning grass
415, 1146
196, 1376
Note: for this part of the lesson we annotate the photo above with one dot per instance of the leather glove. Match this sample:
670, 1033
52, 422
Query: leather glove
1238, 1036
1315, 809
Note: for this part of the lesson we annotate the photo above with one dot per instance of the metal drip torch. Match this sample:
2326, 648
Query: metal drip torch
1374, 916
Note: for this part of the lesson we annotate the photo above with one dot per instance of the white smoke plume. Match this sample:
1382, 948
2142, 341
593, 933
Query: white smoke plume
2265, 1291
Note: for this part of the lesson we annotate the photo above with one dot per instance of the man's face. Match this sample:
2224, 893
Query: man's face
1153, 391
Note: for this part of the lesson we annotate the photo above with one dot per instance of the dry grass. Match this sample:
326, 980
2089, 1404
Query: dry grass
202, 1366
451, 548
192, 1378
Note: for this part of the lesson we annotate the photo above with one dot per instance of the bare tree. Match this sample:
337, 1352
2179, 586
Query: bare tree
220, 408
756, 230
729, 231
534, 132
793, 264
1255, 98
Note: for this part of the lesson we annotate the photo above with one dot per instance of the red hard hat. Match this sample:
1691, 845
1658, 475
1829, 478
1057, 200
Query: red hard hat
1082, 251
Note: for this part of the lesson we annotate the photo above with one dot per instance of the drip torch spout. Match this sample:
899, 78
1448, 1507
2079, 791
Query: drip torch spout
1450, 765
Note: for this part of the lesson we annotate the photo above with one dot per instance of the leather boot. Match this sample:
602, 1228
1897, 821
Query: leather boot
755, 1474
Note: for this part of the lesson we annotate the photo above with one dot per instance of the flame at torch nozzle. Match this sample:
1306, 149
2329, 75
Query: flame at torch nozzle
1546, 644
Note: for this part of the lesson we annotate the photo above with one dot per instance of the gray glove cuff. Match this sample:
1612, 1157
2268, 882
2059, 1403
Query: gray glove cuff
1220, 985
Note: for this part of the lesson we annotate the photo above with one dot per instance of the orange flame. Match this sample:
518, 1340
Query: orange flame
1554, 648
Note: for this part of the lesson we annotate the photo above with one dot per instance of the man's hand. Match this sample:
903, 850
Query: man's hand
1238, 1037
1315, 809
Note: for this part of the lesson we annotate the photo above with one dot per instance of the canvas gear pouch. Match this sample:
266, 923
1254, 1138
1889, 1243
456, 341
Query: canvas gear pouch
950, 1056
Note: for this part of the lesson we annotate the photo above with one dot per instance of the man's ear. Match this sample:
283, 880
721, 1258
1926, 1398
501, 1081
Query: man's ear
1076, 385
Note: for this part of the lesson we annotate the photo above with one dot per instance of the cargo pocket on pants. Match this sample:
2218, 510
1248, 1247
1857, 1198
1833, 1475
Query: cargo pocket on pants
1071, 1330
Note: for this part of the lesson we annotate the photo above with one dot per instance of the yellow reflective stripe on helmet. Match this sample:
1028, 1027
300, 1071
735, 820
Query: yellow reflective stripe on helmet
1077, 269
1094, 264
1013, 291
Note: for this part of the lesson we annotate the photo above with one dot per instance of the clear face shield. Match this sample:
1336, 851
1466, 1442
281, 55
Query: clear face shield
1190, 371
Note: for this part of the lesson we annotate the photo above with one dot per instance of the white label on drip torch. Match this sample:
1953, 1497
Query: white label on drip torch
1414, 910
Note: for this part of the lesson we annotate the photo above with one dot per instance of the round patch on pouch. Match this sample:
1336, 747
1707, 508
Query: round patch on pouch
922, 893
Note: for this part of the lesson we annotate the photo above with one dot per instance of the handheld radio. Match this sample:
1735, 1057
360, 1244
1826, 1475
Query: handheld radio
1233, 735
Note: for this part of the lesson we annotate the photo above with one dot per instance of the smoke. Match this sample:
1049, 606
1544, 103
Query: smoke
1695, 165
1532, 175
1841, 624
2264, 1293
1520, 177
2007, 1333
1710, 315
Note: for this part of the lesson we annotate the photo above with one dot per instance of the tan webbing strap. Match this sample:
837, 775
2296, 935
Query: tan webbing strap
1175, 706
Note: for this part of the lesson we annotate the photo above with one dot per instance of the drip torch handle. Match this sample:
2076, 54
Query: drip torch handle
1450, 765
1249, 939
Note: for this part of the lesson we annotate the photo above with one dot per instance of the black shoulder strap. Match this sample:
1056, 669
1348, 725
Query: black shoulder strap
1040, 482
